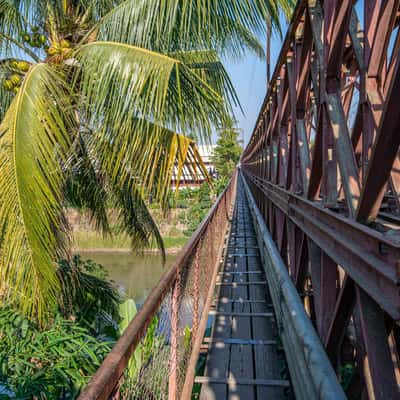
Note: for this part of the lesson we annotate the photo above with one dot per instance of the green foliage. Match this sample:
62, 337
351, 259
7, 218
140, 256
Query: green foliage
127, 312
229, 26
175, 242
57, 361
221, 184
30, 190
227, 151
54, 363
88, 297
187, 337
199, 202
150, 345
102, 117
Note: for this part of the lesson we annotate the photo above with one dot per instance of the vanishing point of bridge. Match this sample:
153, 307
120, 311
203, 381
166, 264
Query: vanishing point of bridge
290, 286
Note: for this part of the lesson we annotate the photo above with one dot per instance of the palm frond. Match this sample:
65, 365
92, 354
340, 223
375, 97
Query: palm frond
119, 82
11, 23
84, 294
34, 141
148, 155
208, 66
135, 219
140, 161
15, 17
187, 24
247, 39
95, 9
86, 187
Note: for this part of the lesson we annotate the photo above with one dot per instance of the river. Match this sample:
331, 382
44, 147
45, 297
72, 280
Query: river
134, 274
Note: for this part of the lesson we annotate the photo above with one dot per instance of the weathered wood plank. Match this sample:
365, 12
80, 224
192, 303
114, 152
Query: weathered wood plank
245, 382
241, 363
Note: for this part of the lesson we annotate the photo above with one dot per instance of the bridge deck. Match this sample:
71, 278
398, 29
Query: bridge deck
243, 358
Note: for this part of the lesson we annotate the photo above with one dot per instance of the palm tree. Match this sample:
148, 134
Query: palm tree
96, 98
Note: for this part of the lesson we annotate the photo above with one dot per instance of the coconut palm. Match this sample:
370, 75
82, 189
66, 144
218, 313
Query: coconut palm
96, 98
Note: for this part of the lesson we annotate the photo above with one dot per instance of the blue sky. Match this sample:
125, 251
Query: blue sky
249, 78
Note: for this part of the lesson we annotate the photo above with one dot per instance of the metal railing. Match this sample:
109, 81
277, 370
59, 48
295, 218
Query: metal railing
164, 338
310, 369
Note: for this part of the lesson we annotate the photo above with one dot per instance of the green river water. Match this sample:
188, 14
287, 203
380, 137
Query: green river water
134, 274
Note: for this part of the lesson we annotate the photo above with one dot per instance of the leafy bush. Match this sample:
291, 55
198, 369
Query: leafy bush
199, 204
174, 232
46, 364
181, 203
89, 297
153, 343
56, 362
220, 185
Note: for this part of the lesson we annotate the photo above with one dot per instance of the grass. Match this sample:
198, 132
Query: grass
84, 240
173, 242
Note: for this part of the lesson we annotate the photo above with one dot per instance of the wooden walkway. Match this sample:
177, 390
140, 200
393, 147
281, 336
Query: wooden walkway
244, 358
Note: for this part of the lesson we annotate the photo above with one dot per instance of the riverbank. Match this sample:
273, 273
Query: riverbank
91, 241
175, 226
105, 250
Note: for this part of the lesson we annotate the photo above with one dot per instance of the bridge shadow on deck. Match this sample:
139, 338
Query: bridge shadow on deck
244, 359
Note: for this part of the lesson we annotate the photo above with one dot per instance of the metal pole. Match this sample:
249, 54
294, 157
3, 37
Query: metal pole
268, 50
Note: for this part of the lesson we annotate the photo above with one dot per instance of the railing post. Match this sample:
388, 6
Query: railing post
173, 360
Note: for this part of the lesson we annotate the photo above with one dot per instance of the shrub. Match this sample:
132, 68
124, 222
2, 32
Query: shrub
53, 364
56, 362
88, 296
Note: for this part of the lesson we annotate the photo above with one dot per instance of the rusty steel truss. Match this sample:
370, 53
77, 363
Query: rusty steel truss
323, 165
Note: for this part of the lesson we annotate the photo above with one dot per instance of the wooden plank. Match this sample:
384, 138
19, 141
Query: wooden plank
217, 361
236, 284
243, 247
242, 255
240, 381
240, 341
223, 300
242, 360
241, 363
244, 236
224, 273
241, 314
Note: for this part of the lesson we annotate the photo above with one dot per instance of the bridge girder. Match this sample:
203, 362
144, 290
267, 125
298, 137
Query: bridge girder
323, 164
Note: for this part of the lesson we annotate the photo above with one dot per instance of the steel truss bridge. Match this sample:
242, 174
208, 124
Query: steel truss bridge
290, 286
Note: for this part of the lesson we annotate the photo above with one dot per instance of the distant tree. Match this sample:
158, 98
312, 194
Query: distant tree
228, 150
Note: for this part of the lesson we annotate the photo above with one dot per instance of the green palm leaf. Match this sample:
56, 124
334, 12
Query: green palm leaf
148, 155
136, 102
208, 66
135, 219
184, 24
150, 159
86, 187
10, 23
34, 142
119, 82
